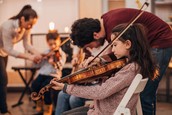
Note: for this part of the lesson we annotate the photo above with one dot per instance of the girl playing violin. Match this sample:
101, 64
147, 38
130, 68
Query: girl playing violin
53, 62
134, 46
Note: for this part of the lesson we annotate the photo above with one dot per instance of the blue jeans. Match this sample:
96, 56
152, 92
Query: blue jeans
66, 102
148, 96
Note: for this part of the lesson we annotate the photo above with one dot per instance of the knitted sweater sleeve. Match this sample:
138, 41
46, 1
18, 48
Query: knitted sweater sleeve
114, 84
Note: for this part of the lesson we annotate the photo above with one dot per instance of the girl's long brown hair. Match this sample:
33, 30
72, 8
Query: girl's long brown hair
140, 51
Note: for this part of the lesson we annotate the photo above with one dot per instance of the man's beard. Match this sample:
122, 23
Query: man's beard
101, 41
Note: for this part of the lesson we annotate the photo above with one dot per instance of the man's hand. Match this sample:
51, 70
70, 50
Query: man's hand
57, 75
74, 61
37, 58
85, 63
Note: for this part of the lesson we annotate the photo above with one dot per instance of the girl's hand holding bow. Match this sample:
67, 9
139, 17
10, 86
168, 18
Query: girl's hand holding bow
56, 85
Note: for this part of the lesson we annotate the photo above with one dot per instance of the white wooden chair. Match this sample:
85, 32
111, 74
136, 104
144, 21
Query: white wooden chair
137, 86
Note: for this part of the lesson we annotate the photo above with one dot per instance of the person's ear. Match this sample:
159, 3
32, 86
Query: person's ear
22, 19
96, 35
128, 44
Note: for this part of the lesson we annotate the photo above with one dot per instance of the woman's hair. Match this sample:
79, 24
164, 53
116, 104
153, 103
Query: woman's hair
27, 12
83, 30
140, 49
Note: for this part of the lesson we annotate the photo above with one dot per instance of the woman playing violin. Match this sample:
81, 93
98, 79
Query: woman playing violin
54, 60
134, 46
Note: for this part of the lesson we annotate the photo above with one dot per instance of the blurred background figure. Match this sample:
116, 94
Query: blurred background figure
50, 67
12, 31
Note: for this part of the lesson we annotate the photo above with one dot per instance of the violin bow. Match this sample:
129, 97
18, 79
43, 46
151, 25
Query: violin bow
65, 41
140, 12
60, 46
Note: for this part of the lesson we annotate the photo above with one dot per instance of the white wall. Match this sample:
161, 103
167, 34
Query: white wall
133, 4
88, 8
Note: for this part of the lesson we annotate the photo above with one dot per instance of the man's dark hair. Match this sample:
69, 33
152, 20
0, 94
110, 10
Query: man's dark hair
82, 31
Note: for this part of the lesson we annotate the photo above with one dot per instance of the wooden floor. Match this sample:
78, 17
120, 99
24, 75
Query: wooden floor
27, 107
24, 109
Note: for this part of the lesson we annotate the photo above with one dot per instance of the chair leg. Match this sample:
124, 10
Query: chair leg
139, 107
122, 111
125, 111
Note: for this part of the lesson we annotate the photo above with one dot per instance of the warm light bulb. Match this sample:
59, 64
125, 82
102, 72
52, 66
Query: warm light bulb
66, 29
39, 0
51, 26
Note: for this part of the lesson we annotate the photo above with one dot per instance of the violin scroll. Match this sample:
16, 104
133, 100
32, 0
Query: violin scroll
36, 96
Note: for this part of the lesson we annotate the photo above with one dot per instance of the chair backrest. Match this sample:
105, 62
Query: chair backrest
136, 86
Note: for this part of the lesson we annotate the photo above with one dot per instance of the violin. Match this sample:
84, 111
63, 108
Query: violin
81, 56
85, 75
55, 54
56, 58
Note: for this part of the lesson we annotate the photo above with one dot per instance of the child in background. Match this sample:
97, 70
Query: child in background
50, 65
134, 46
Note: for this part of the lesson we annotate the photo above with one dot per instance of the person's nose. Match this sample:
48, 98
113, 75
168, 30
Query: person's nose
53, 46
113, 49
